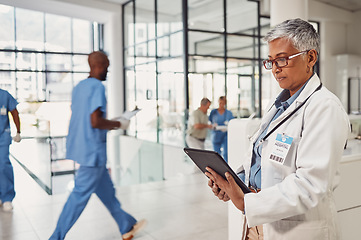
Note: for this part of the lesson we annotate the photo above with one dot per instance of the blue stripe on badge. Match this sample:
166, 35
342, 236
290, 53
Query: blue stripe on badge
284, 138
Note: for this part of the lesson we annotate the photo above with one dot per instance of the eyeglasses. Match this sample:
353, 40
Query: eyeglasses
280, 62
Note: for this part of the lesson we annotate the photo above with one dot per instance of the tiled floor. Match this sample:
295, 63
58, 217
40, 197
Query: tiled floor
177, 209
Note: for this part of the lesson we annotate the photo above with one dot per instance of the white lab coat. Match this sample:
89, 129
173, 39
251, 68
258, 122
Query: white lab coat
296, 200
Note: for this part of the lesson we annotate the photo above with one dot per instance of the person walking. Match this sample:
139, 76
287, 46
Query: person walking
86, 144
7, 105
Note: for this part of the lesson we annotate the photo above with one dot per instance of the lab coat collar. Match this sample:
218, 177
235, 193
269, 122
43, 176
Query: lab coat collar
310, 87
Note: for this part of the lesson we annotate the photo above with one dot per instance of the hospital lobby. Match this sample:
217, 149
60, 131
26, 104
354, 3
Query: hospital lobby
165, 56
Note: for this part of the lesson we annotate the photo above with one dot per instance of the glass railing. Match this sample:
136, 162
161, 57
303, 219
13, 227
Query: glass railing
43, 157
136, 161
144, 161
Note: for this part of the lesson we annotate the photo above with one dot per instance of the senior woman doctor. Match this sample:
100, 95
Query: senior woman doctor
292, 163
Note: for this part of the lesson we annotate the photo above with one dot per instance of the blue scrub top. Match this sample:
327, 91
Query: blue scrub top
221, 120
85, 144
7, 104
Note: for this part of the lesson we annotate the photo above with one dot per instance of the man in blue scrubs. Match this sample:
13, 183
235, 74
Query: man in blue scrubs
7, 192
86, 144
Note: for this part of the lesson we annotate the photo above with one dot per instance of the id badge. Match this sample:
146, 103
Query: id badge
280, 148
3, 110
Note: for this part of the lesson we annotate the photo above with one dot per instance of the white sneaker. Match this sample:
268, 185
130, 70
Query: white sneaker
8, 206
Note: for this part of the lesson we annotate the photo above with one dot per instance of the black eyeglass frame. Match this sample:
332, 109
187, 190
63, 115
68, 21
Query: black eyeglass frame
286, 60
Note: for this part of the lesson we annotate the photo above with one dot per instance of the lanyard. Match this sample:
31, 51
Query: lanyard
290, 115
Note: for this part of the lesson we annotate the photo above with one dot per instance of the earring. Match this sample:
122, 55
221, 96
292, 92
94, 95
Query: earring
308, 69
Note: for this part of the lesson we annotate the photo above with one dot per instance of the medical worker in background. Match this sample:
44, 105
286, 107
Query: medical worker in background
86, 144
219, 118
7, 192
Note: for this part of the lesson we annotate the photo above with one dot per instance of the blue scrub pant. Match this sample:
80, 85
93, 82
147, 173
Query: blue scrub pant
217, 145
7, 192
87, 181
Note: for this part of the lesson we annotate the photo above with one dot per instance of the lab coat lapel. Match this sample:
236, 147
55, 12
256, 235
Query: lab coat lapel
265, 120
311, 86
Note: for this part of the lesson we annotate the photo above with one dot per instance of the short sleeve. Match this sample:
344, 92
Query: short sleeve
98, 99
210, 118
230, 115
12, 103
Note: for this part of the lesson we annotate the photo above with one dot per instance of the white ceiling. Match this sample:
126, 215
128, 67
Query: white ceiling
349, 5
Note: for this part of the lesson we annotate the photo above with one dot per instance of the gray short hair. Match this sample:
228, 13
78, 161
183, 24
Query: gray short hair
301, 33
205, 101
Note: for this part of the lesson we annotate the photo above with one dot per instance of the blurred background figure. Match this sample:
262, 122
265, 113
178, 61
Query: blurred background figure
198, 125
219, 118
86, 144
7, 104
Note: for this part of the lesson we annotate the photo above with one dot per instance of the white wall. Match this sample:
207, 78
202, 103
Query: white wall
354, 34
334, 24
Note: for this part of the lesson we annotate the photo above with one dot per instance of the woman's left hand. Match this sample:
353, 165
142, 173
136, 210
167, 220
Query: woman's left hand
229, 186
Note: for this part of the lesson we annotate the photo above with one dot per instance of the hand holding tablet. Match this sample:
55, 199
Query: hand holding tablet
211, 159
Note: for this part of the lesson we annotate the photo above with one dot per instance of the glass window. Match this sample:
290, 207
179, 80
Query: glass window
206, 44
245, 47
171, 107
171, 65
265, 25
213, 20
80, 63
169, 16
239, 95
129, 56
58, 86
200, 85
155, 49
82, 36
58, 33
58, 62
244, 67
7, 60
176, 44
29, 30
7, 27
130, 92
206, 65
145, 15
30, 86
7, 82
242, 11
146, 99
128, 24
243, 87
163, 46
30, 61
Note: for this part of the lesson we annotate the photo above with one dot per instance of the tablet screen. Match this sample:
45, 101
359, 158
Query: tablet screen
206, 158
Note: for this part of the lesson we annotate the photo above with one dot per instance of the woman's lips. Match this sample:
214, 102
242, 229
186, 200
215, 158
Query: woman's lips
279, 79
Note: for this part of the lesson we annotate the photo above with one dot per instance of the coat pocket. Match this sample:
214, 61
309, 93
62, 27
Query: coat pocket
291, 228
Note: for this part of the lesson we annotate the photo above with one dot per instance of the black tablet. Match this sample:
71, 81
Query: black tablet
206, 158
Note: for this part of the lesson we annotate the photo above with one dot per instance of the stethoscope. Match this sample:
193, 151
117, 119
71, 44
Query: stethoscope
289, 116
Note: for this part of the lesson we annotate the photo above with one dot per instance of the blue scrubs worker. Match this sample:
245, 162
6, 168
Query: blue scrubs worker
7, 104
219, 118
86, 144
